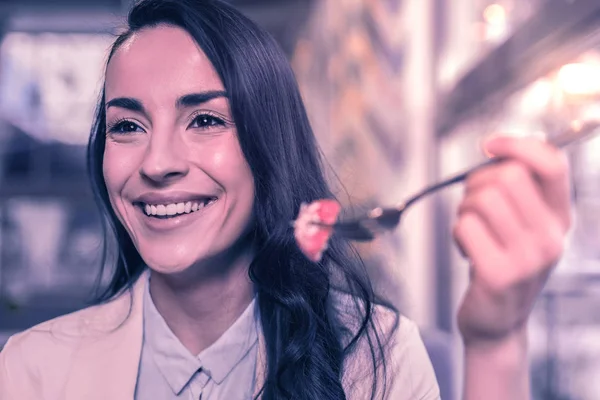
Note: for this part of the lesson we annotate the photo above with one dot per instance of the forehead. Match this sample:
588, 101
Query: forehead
162, 61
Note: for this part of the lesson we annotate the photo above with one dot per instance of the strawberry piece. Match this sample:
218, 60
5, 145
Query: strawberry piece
312, 239
328, 210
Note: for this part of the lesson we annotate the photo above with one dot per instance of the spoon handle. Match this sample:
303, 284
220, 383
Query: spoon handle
446, 182
577, 132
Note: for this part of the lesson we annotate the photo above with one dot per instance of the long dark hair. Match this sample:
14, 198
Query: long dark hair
307, 340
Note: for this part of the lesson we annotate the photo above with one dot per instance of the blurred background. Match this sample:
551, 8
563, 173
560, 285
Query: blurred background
400, 93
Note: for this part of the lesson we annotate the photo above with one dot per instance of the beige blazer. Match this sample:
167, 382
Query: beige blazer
93, 354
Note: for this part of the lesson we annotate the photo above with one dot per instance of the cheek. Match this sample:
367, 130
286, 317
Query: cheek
233, 169
117, 167
237, 179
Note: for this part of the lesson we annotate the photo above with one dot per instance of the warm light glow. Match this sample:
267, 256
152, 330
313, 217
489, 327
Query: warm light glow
579, 79
591, 112
576, 125
538, 96
496, 23
495, 14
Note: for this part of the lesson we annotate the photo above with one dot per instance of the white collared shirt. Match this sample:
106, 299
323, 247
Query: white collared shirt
224, 370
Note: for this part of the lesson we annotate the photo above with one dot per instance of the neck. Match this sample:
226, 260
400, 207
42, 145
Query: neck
200, 306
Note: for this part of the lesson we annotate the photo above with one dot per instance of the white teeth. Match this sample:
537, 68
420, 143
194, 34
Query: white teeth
174, 208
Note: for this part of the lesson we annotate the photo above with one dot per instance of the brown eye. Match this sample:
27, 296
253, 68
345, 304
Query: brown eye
204, 121
124, 127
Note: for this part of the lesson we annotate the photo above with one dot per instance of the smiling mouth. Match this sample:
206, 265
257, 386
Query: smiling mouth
172, 210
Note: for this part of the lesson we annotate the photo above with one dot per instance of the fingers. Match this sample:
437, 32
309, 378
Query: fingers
500, 265
488, 223
522, 191
472, 235
493, 208
516, 209
511, 225
547, 164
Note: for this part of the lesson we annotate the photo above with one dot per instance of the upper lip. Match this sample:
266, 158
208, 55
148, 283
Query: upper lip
172, 197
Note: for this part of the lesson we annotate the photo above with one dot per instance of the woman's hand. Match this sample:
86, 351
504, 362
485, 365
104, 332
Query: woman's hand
511, 225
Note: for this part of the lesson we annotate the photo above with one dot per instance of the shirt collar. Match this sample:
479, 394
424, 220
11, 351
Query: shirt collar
178, 365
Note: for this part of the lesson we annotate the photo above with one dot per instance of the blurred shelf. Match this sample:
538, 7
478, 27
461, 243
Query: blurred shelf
71, 190
559, 32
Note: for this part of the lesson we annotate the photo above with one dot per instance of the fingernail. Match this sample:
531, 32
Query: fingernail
485, 145
487, 152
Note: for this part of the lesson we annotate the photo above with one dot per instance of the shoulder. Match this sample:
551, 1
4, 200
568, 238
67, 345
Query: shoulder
403, 364
39, 356
88, 322
32, 359
70, 328
410, 367
389, 324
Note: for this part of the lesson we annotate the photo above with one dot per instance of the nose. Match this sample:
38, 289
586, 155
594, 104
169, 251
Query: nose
164, 160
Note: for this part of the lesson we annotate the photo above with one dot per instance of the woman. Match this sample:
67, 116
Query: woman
201, 155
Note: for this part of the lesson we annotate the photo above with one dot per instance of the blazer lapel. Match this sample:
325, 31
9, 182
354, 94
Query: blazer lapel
106, 363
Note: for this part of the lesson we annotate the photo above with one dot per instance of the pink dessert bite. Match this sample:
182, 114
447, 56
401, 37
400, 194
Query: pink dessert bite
312, 238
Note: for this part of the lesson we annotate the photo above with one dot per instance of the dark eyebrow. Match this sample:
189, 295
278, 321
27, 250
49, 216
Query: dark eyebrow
196, 99
188, 100
127, 103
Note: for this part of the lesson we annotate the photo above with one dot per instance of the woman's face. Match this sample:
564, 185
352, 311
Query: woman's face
173, 166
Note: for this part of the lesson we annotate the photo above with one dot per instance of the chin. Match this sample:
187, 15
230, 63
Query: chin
175, 255
164, 267
171, 260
